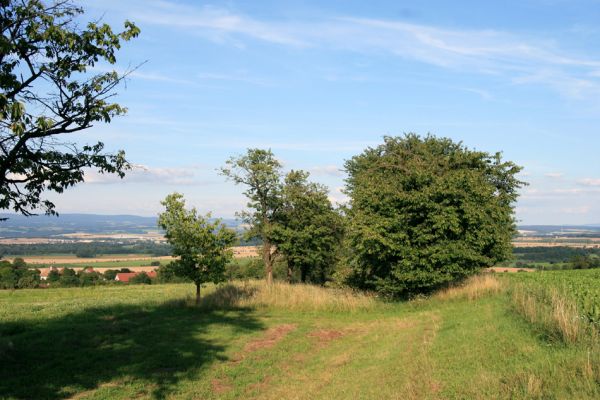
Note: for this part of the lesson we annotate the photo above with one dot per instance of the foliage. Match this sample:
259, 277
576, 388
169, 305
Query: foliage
19, 263
260, 172
425, 212
86, 252
341, 346
245, 268
46, 92
141, 278
68, 278
583, 287
18, 276
308, 230
202, 246
104, 247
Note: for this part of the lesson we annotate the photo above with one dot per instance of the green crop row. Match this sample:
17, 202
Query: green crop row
581, 286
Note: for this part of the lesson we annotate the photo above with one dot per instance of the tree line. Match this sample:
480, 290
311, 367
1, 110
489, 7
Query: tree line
423, 212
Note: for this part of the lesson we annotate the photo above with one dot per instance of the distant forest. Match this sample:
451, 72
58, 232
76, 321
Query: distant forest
552, 254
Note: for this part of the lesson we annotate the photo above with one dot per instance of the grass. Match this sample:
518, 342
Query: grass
304, 342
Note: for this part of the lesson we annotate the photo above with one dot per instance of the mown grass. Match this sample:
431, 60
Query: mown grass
249, 341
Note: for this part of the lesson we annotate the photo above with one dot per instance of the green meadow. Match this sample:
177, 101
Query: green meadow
289, 341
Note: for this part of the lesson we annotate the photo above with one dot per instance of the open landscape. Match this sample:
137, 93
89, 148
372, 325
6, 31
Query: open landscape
309, 199
249, 341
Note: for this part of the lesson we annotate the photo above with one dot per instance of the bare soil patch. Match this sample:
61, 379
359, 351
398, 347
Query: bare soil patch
271, 337
326, 335
220, 385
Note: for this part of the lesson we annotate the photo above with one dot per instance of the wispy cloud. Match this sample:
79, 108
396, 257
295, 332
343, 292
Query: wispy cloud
523, 60
589, 182
146, 174
330, 170
554, 175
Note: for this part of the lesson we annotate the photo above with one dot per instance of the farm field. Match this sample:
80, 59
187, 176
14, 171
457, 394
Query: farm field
581, 287
115, 260
287, 342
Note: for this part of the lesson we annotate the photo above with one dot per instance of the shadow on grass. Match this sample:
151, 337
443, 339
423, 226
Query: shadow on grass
151, 346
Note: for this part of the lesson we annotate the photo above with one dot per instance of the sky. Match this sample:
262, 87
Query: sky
318, 82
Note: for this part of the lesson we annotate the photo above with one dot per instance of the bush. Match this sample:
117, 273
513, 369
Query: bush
245, 268
141, 278
68, 278
110, 274
425, 212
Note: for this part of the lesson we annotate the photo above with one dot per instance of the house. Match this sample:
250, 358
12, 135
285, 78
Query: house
44, 272
126, 276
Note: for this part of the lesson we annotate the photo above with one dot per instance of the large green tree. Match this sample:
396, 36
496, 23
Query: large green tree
308, 230
426, 211
203, 247
260, 172
48, 89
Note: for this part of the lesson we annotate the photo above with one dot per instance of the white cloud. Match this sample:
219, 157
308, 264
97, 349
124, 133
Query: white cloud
589, 182
554, 175
576, 210
521, 59
146, 174
331, 170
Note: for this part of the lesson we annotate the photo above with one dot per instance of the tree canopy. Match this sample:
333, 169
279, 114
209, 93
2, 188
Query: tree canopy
203, 247
426, 211
308, 230
260, 172
48, 88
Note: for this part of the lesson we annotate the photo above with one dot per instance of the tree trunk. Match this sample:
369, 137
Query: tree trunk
303, 272
289, 271
268, 262
197, 293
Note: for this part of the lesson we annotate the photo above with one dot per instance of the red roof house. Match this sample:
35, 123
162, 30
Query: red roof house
126, 276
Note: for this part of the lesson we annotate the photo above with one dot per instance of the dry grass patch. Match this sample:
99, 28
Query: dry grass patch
473, 288
552, 310
271, 337
297, 297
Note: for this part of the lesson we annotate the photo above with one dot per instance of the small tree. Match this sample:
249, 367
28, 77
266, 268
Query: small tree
69, 278
308, 232
202, 246
260, 172
425, 212
19, 263
53, 276
141, 279
47, 90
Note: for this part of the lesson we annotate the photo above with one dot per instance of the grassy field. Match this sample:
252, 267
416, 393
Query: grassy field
247, 341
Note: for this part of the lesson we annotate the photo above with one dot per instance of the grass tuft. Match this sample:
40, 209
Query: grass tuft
473, 288
301, 297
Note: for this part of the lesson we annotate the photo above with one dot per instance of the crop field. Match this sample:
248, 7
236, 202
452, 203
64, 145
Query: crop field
581, 287
289, 341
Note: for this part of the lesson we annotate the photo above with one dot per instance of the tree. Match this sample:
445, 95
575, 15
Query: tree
308, 232
425, 211
69, 278
203, 247
48, 89
19, 263
53, 276
141, 279
260, 172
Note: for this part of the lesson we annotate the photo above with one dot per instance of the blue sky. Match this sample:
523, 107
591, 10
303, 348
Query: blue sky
317, 82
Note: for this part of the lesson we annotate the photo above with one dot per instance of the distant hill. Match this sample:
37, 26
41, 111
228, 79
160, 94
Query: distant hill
43, 226
16, 226
560, 230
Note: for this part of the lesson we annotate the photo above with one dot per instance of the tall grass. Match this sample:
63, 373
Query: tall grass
257, 294
559, 317
473, 288
553, 310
